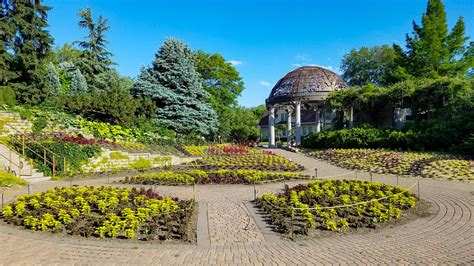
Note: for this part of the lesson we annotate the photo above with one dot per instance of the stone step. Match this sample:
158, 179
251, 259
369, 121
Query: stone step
36, 178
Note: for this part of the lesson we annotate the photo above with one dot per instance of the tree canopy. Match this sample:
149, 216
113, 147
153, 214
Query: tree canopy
23, 48
376, 65
224, 84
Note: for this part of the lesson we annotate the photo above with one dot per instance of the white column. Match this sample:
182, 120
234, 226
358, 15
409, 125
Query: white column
271, 127
351, 117
288, 135
298, 123
318, 120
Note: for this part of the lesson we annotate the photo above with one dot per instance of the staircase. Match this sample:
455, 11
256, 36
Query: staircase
15, 124
10, 160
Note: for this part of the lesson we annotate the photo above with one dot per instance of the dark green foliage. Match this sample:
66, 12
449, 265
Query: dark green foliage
243, 124
39, 124
29, 46
433, 51
76, 155
224, 84
7, 97
95, 58
361, 138
376, 65
442, 109
8, 29
173, 84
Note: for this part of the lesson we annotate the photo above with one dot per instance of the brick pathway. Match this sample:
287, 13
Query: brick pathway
230, 232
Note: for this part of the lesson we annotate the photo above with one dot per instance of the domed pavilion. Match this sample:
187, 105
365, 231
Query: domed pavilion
300, 94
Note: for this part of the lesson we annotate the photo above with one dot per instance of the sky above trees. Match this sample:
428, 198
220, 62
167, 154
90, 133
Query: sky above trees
264, 39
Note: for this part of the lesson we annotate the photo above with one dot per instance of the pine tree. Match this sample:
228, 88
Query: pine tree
174, 85
95, 57
52, 83
432, 52
78, 83
31, 44
7, 35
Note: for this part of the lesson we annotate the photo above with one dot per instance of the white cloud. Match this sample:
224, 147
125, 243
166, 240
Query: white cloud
296, 65
302, 57
235, 62
264, 83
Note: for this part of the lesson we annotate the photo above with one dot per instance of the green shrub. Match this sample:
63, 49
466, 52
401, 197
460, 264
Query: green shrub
142, 164
39, 124
8, 179
76, 155
362, 138
7, 96
25, 113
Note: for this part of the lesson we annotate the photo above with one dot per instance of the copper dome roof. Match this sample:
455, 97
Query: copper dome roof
308, 83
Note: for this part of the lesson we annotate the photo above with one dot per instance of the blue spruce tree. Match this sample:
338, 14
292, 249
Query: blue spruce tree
78, 83
52, 83
173, 83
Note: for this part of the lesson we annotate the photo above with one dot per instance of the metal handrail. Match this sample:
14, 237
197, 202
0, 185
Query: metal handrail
9, 160
31, 140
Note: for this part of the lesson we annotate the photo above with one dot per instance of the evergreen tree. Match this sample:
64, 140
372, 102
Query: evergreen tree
31, 44
52, 83
95, 58
432, 52
78, 83
173, 83
468, 60
7, 28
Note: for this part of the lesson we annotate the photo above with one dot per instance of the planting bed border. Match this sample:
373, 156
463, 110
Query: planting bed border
409, 214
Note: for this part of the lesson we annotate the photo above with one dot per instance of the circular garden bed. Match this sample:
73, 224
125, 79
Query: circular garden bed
334, 205
105, 212
222, 176
400, 163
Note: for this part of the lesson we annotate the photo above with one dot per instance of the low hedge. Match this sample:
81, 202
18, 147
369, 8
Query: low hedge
362, 138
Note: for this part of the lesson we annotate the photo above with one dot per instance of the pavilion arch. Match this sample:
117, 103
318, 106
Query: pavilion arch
303, 89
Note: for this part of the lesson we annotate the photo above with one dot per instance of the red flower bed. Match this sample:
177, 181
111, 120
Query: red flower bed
231, 149
86, 141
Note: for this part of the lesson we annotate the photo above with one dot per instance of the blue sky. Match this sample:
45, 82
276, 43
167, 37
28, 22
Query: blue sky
265, 39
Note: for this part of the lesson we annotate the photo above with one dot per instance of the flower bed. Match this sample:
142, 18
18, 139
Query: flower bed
213, 177
377, 161
310, 207
450, 169
105, 212
248, 161
222, 149
431, 165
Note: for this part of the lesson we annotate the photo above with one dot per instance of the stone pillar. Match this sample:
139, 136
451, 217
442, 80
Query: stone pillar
318, 120
288, 135
351, 117
271, 127
298, 123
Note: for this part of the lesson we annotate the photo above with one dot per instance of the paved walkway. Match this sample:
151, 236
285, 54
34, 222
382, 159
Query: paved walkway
230, 231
